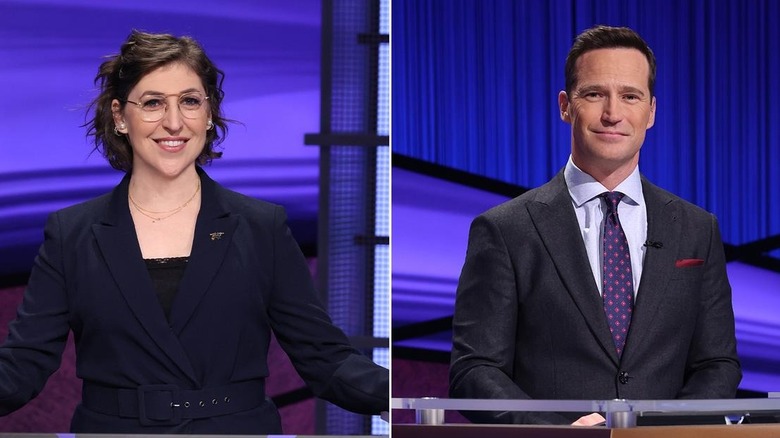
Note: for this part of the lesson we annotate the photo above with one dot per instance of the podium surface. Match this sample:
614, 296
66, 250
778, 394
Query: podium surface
514, 431
621, 418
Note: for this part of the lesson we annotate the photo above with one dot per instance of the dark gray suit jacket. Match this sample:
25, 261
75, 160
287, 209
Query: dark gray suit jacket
529, 321
246, 278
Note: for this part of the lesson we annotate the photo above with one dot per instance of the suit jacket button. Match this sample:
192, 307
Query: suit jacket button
623, 377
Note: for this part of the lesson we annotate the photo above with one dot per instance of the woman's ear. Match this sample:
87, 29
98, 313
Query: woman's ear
119, 120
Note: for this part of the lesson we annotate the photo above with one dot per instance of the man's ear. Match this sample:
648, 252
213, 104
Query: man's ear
651, 119
563, 105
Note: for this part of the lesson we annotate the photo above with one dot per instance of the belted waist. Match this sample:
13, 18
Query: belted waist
163, 405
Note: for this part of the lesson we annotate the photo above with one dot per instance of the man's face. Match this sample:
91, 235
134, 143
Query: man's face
610, 108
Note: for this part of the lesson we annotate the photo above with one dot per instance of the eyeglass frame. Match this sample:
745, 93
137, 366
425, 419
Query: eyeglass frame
165, 105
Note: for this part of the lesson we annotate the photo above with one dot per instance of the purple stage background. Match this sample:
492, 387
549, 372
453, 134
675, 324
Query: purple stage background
49, 55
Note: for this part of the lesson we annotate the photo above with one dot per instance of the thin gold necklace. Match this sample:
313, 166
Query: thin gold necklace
157, 216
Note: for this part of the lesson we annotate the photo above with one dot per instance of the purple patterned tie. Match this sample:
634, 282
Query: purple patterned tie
617, 279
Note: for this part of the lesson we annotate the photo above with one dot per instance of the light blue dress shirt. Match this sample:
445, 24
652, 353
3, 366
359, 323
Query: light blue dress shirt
591, 210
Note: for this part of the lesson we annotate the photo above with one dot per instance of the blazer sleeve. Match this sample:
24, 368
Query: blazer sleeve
484, 324
713, 369
36, 338
320, 351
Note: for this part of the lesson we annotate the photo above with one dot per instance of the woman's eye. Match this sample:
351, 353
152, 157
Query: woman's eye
152, 104
190, 101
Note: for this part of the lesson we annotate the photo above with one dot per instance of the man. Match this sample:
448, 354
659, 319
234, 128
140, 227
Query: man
597, 285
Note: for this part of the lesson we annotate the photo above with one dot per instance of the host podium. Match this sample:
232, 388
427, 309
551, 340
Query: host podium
621, 418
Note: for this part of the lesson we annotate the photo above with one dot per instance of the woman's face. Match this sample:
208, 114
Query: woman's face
175, 95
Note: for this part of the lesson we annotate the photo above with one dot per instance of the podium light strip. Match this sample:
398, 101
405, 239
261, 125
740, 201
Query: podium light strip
642, 407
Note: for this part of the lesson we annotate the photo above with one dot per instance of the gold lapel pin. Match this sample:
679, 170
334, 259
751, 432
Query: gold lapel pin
216, 235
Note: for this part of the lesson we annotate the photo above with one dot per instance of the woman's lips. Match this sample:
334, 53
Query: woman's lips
172, 144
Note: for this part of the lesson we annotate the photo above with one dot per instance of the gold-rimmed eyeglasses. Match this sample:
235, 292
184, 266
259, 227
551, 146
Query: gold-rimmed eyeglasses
154, 106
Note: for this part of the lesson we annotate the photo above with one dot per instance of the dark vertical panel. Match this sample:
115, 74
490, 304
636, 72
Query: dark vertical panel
348, 173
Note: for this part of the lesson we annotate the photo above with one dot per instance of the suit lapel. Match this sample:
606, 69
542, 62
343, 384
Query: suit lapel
116, 238
214, 232
555, 220
658, 268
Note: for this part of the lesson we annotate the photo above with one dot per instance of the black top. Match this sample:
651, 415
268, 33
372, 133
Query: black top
166, 275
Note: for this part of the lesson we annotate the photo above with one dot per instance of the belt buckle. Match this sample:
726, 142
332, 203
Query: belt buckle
157, 405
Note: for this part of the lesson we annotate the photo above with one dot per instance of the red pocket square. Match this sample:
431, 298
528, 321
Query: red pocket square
687, 263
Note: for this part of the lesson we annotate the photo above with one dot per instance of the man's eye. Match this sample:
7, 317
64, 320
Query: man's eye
631, 97
593, 95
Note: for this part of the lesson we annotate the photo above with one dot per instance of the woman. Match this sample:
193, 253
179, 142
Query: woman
171, 283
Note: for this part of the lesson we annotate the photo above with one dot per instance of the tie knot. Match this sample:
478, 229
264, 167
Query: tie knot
613, 199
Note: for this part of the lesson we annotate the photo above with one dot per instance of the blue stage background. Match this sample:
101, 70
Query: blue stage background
475, 86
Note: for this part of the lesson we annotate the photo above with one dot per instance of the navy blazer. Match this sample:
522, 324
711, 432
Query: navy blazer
529, 320
246, 278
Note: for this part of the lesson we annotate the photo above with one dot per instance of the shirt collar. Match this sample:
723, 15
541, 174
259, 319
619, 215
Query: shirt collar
583, 187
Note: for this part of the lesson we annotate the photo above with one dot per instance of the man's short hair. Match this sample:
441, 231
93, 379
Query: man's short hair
607, 37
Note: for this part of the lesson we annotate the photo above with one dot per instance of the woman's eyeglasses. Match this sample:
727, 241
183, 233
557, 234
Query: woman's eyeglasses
154, 106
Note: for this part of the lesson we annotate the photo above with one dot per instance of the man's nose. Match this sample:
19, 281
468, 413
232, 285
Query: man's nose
612, 111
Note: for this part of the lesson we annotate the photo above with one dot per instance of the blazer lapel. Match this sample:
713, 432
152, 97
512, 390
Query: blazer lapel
214, 232
117, 240
658, 267
555, 220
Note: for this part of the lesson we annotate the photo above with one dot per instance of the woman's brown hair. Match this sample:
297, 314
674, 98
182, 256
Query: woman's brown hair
140, 54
